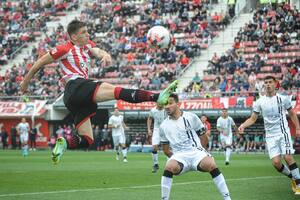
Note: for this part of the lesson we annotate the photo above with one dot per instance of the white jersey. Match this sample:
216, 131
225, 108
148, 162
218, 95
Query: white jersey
116, 121
182, 134
273, 110
226, 125
158, 116
23, 128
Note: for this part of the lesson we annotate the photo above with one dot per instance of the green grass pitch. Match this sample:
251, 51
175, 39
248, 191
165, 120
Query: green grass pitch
97, 175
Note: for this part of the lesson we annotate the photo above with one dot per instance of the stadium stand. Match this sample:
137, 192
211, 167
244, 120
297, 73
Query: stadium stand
268, 45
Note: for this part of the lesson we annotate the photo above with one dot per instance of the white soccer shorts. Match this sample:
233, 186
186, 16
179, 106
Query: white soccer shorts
24, 138
119, 139
155, 136
280, 145
190, 159
226, 140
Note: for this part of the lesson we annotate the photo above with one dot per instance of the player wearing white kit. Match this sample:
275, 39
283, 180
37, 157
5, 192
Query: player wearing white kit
273, 109
224, 126
117, 125
158, 115
23, 130
181, 131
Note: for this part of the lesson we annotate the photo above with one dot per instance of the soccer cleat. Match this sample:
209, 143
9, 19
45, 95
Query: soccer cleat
294, 186
226, 163
155, 168
165, 94
297, 192
59, 149
125, 160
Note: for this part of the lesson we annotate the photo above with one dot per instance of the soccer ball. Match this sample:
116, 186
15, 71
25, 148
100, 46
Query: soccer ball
159, 37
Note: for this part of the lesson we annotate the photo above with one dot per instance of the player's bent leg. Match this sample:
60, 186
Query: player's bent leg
208, 164
172, 168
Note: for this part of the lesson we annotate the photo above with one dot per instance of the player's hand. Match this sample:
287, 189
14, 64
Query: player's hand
23, 86
106, 59
241, 129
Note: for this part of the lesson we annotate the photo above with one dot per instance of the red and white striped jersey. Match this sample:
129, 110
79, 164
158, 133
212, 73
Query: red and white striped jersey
74, 61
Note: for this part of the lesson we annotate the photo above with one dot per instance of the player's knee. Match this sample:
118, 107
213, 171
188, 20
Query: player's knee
277, 164
207, 164
174, 167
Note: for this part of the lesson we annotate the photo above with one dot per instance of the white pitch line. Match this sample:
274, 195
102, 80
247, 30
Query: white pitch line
134, 187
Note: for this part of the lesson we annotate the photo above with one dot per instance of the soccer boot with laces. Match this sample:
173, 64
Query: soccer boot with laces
165, 94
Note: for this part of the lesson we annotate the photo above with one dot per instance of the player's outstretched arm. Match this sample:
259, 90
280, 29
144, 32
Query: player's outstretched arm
44, 60
251, 120
149, 124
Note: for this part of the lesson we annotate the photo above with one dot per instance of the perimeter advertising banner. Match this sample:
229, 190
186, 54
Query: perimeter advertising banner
195, 104
12, 109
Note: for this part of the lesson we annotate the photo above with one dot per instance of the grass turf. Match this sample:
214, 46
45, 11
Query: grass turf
97, 175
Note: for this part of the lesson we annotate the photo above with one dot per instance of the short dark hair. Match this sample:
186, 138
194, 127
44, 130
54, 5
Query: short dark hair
270, 77
74, 26
175, 97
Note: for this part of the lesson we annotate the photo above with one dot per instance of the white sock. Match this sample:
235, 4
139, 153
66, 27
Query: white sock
155, 158
295, 172
285, 170
166, 184
222, 187
124, 152
227, 154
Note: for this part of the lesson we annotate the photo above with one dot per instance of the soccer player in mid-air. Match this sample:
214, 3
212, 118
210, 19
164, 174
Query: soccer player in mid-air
117, 125
224, 126
181, 131
273, 107
158, 115
81, 93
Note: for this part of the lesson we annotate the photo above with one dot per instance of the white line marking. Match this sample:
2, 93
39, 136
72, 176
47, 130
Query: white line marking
134, 187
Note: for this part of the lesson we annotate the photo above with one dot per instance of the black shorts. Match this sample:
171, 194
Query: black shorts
78, 98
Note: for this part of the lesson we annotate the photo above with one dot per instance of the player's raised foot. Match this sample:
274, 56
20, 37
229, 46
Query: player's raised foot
165, 94
155, 168
59, 149
294, 185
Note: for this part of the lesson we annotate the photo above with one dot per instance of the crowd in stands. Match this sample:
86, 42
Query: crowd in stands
267, 45
120, 27
23, 21
137, 65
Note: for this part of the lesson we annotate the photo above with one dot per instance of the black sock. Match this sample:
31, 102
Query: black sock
135, 96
